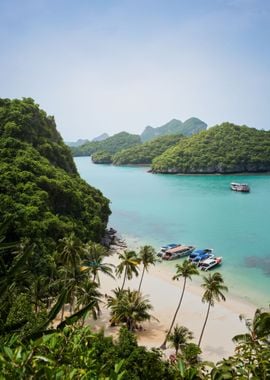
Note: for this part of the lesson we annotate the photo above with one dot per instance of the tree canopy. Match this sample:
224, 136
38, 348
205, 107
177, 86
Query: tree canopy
146, 152
225, 148
42, 196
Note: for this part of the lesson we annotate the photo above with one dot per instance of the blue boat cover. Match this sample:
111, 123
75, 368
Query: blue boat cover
199, 251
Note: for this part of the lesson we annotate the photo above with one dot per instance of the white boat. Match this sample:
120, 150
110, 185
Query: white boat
243, 187
210, 263
177, 252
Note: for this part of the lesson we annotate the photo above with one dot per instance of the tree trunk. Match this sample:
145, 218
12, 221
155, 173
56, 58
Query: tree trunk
163, 346
125, 275
207, 314
141, 279
62, 313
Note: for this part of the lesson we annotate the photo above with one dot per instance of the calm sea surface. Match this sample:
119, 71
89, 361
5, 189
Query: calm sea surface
199, 210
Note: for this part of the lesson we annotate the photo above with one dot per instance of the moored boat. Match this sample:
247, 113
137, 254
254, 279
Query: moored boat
210, 263
243, 187
164, 248
200, 252
201, 258
177, 252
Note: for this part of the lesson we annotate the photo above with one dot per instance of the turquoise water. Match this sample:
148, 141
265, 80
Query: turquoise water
199, 210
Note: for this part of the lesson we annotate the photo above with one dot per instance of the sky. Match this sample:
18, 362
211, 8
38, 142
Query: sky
112, 65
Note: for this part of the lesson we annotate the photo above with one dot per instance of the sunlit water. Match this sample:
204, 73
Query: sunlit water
200, 210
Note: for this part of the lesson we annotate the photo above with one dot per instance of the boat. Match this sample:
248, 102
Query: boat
199, 252
243, 187
177, 252
210, 263
201, 258
164, 248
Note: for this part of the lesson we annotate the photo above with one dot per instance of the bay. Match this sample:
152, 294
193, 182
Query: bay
200, 210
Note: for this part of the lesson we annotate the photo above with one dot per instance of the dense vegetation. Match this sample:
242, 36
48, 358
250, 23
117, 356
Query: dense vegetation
146, 152
113, 144
226, 148
189, 127
42, 195
50, 277
102, 157
30, 348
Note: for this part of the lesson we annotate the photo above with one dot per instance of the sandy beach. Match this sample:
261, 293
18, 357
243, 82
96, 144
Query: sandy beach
164, 294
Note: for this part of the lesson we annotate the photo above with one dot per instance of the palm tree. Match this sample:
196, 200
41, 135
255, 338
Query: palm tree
130, 308
129, 265
69, 254
186, 270
94, 256
180, 337
87, 292
147, 256
213, 285
70, 251
258, 329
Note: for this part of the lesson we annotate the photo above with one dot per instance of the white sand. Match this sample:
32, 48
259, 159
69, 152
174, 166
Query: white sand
163, 293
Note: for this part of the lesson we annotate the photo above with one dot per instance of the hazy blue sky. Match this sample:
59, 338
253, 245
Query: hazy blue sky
106, 66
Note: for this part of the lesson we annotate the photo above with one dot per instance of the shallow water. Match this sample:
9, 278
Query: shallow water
200, 210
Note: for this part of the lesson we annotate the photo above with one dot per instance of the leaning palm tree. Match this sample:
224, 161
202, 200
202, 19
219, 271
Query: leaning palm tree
186, 271
130, 308
94, 260
129, 265
213, 285
148, 257
180, 337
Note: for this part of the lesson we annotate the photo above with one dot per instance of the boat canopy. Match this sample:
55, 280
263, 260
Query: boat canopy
199, 251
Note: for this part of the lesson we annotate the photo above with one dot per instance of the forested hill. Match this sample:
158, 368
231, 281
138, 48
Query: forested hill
23, 120
188, 128
111, 145
41, 195
225, 148
145, 153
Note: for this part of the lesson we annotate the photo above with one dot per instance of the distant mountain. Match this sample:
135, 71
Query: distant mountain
188, 128
77, 143
102, 137
225, 148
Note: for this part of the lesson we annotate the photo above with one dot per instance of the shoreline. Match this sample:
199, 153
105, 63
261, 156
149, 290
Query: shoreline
163, 293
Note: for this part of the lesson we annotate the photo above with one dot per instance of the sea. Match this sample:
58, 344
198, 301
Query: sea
199, 210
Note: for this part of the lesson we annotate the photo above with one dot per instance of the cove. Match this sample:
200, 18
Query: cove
200, 210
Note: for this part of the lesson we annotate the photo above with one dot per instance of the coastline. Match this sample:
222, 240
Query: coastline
163, 294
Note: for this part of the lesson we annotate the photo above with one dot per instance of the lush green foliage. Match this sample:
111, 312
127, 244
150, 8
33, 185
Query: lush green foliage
113, 144
41, 194
102, 157
23, 120
179, 338
251, 360
226, 148
189, 127
79, 354
145, 153
129, 307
